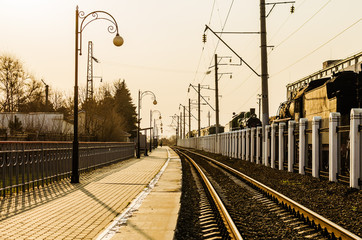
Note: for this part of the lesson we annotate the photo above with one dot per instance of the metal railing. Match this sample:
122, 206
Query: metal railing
27, 165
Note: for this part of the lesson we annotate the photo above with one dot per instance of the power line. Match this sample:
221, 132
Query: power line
286, 20
203, 48
290, 35
318, 47
218, 11
223, 27
253, 95
198, 65
212, 11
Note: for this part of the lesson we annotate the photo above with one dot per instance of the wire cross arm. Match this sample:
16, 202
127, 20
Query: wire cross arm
241, 59
202, 97
274, 4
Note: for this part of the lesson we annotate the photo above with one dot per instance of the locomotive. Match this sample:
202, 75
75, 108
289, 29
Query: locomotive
339, 93
243, 120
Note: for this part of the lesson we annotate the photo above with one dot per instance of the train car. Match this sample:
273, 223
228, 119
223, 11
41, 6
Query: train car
211, 130
339, 93
320, 97
243, 120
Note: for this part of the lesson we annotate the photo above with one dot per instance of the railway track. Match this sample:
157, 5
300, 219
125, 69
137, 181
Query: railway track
302, 222
215, 220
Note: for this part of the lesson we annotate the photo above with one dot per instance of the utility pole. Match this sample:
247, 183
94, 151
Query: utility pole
199, 105
209, 116
184, 135
46, 95
216, 98
90, 72
259, 104
181, 134
198, 109
150, 130
189, 117
138, 153
264, 66
90, 77
177, 129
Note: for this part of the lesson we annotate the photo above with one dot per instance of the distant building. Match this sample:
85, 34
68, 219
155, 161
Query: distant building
45, 126
37, 122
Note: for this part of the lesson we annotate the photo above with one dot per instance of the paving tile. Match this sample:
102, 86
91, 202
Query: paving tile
65, 211
157, 216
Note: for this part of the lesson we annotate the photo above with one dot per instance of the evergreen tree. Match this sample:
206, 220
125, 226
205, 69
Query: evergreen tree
111, 129
15, 126
125, 107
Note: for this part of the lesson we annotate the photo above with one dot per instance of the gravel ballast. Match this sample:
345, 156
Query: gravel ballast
335, 201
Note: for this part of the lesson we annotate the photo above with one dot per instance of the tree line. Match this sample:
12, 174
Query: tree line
107, 117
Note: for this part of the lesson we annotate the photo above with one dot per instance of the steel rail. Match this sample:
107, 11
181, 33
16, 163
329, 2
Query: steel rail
229, 223
324, 223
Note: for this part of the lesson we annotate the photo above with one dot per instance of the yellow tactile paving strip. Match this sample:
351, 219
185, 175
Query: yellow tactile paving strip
81, 211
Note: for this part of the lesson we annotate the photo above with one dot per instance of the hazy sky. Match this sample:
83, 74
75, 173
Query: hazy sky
163, 50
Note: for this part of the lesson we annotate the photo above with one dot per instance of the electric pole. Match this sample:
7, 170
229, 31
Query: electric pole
138, 154
209, 116
150, 130
177, 129
184, 135
216, 98
181, 134
189, 117
264, 66
259, 104
46, 95
89, 95
198, 109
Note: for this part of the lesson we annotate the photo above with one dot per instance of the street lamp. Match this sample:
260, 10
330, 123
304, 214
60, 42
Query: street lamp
140, 96
151, 112
118, 41
175, 118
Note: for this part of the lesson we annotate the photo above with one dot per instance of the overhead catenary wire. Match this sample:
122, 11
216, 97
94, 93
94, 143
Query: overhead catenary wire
286, 20
251, 96
222, 29
301, 26
246, 80
217, 44
308, 20
307, 55
203, 48
212, 11
202, 52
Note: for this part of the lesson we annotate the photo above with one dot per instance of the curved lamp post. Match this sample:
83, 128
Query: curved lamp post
140, 96
161, 126
118, 41
151, 112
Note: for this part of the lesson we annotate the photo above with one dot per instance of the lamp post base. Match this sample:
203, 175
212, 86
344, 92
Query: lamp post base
74, 178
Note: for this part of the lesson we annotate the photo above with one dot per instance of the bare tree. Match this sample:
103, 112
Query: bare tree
11, 81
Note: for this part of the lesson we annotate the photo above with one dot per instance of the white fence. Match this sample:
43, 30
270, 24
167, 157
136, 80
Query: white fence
295, 147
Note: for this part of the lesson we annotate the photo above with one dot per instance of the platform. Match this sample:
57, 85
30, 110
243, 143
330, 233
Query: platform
91, 209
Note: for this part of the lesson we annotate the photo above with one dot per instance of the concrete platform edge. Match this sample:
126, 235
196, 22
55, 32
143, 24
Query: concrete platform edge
111, 230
